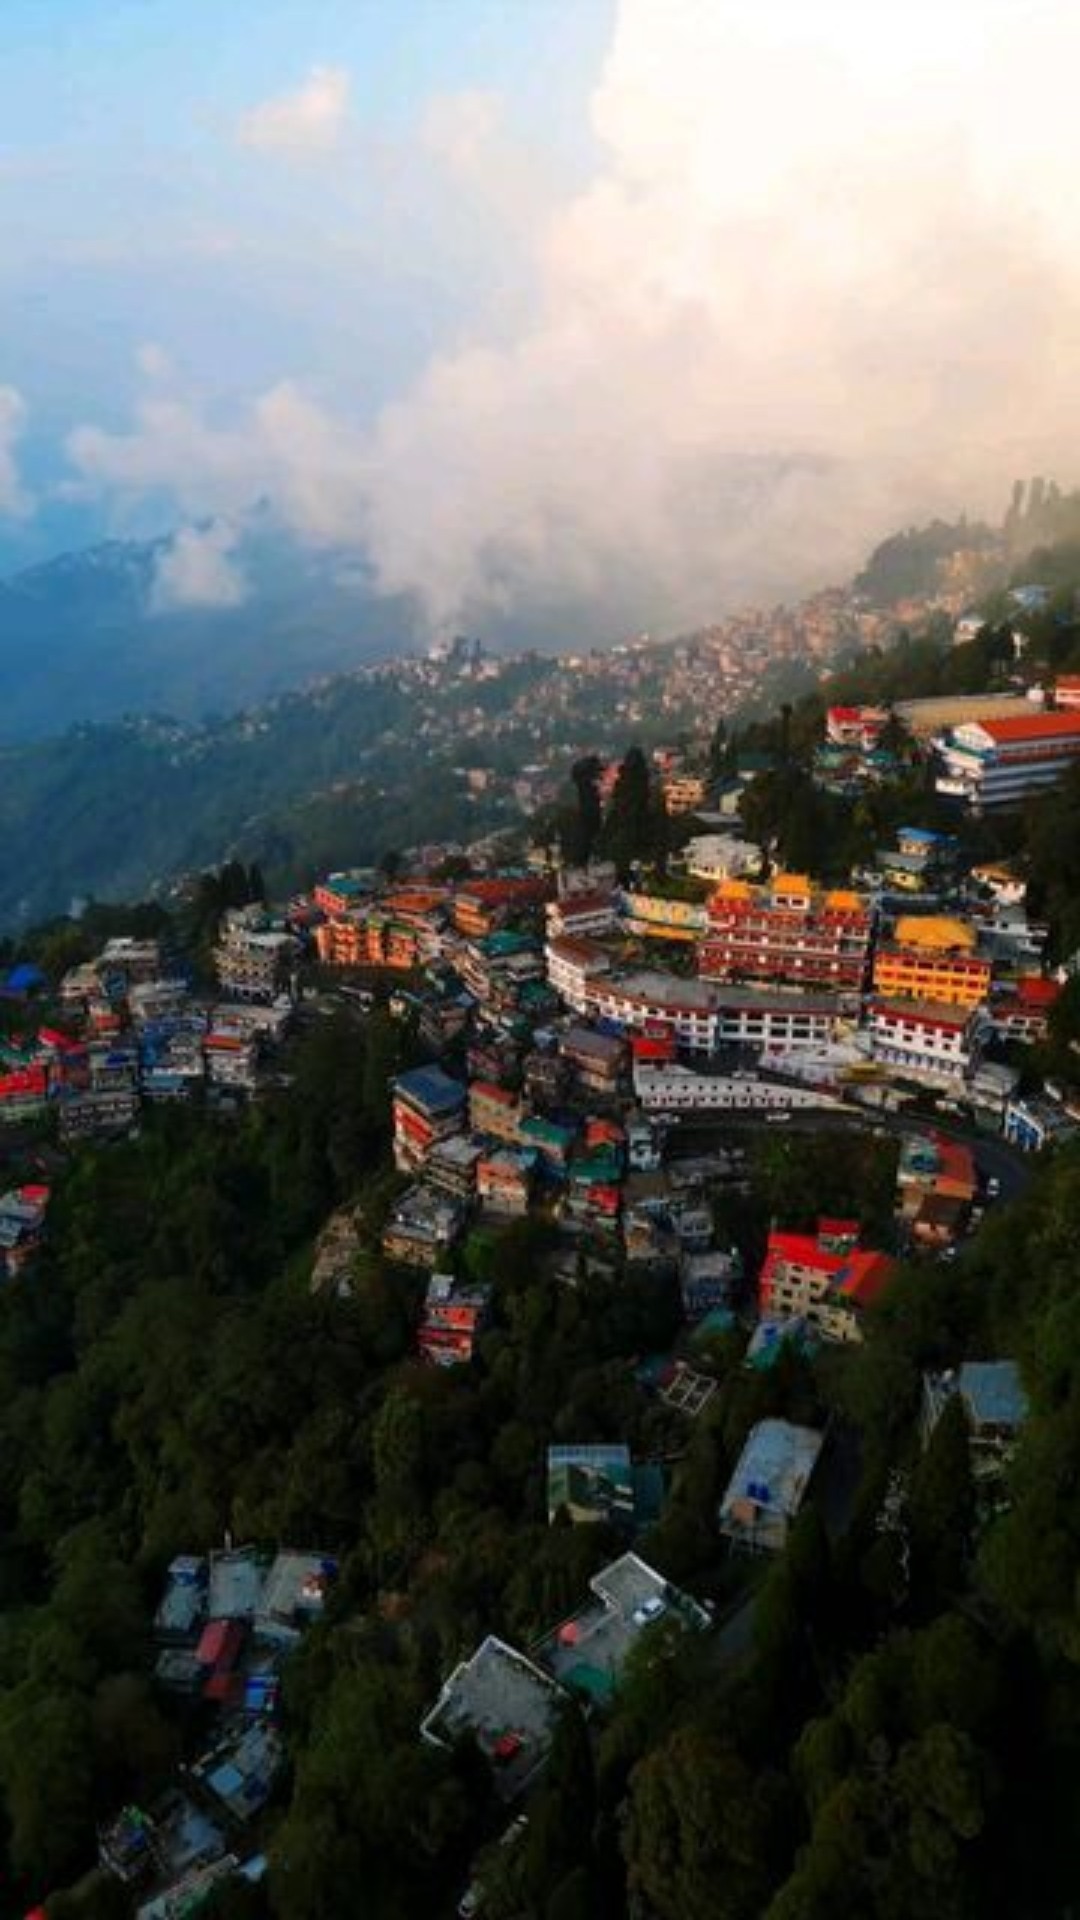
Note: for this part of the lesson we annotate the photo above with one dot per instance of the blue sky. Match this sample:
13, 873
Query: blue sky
130, 214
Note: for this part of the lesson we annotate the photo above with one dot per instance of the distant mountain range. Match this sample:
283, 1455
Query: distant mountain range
103, 632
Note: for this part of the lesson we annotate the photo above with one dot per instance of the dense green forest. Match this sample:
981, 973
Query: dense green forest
900, 1732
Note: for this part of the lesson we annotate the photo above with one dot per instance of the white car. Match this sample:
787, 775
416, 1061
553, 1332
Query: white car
649, 1611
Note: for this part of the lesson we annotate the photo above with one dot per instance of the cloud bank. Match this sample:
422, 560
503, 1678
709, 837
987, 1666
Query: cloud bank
15, 502
198, 570
825, 278
311, 120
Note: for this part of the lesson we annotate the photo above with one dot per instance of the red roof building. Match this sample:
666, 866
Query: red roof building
824, 1278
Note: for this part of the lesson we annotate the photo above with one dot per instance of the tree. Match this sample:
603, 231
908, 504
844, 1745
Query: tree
941, 1511
627, 830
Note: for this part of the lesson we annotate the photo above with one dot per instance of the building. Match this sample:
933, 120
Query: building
422, 1228
1067, 692
577, 916
253, 960
588, 1652
786, 931
1021, 1011
718, 856
923, 718
673, 1088
860, 728
824, 1280
683, 792
591, 1483
495, 1112
507, 1704
340, 892
655, 916
932, 959
455, 1314
22, 1227
572, 965
995, 1408
427, 1106
933, 1043
1037, 1122
769, 1485
504, 1181
597, 1062
1002, 762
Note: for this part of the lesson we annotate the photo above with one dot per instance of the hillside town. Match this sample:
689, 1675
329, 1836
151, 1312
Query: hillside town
595, 1047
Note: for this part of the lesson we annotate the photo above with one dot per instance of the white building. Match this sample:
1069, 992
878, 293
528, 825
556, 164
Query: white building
719, 856
924, 1042
676, 1089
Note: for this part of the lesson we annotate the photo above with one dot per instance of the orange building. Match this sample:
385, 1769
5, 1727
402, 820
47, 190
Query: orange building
949, 979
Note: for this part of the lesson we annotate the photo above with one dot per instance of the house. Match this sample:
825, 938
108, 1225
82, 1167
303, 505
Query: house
995, 1408
504, 1180
454, 1315
587, 1653
591, 1483
824, 1280
495, 1111
423, 1225
427, 1106
254, 960
768, 1486
708, 1279
22, 1226
183, 1604
294, 1594
507, 1704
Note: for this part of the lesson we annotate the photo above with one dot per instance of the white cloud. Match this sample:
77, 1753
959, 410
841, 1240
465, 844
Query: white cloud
15, 502
825, 278
198, 569
310, 120
283, 446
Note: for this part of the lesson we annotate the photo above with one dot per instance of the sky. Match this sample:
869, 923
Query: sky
613, 313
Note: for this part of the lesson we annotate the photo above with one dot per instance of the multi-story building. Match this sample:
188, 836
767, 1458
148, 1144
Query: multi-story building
427, 1106
858, 727
253, 960
1001, 763
683, 792
1022, 1010
581, 915
422, 1227
504, 1181
932, 960
927, 1042
482, 906
495, 1112
571, 965
825, 1279
789, 931
454, 1315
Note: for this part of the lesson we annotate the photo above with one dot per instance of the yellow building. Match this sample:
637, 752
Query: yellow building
948, 979
935, 933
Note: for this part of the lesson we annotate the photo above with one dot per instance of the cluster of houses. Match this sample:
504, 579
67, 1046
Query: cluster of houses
225, 1624
129, 1029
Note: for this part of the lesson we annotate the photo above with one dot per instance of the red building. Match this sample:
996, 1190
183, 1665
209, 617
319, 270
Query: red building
787, 930
454, 1315
825, 1278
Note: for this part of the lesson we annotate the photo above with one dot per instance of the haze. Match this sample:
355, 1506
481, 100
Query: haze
614, 314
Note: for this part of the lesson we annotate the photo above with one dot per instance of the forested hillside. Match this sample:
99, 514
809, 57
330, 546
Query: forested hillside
895, 1731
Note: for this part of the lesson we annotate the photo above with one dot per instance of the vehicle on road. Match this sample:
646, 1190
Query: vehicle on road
649, 1610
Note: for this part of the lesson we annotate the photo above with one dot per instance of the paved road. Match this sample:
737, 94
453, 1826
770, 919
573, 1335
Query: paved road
994, 1157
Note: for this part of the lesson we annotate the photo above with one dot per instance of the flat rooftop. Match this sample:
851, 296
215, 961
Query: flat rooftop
508, 1705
